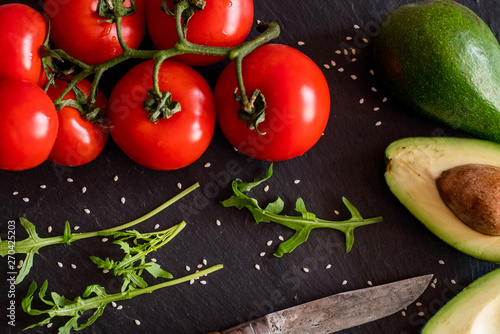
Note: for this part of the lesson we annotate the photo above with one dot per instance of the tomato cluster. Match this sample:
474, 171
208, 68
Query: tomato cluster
296, 110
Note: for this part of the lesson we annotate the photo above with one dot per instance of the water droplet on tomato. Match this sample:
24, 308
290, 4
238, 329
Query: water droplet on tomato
229, 4
113, 38
107, 30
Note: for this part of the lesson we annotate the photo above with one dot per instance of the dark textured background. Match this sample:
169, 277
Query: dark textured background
347, 161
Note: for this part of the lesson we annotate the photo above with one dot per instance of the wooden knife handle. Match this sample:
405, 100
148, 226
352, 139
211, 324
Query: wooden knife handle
258, 326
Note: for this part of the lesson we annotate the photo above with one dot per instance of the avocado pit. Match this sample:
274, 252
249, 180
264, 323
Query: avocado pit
472, 193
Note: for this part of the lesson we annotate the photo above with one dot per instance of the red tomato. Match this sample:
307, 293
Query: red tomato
298, 103
23, 33
28, 120
78, 141
170, 143
223, 23
77, 28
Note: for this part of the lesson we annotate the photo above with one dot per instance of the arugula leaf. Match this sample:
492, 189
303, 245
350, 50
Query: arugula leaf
301, 224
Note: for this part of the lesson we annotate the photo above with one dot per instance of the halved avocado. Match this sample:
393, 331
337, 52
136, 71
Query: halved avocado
414, 164
475, 310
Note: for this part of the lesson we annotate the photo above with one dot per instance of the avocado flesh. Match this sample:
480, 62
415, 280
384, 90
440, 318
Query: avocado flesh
414, 164
441, 59
475, 310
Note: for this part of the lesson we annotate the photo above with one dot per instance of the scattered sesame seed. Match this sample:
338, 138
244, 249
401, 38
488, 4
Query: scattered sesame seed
43, 186
306, 270
113, 304
384, 99
353, 60
179, 185
157, 226
333, 63
353, 51
266, 188
191, 281
281, 238
257, 267
356, 26
137, 322
84, 190
122, 200
217, 222
353, 77
453, 281
105, 271
435, 280
49, 229
441, 262
346, 52
270, 242
433, 285
341, 69
376, 109
73, 266
336, 212
15, 193
262, 254
326, 66
69, 179
104, 239
153, 260
20, 265
361, 101
203, 282
300, 43
418, 304
49, 325
115, 178
378, 123
76, 227
188, 268
205, 262
208, 164
348, 38
59, 264
420, 314
87, 211
328, 266
119, 307
296, 181
344, 282
199, 266
365, 40
372, 72
369, 283
338, 52
403, 313
374, 89
26, 199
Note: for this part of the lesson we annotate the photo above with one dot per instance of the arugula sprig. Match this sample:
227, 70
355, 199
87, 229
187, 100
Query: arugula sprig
94, 298
302, 225
33, 243
136, 247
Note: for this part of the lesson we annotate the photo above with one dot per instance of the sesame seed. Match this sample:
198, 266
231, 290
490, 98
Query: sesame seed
435, 280
338, 52
137, 322
369, 283
353, 77
326, 66
188, 268
262, 254
59, 264
300, 43
113, 304
433, 285
296, 181
122, 200
199, 266
306, 270
104, 239
191, 281
328, 266
420, 314
418, 304
374, 89
87, 211
76, 227
441, 262
341, 69
105, 271
69, 179
270, 242
119, 307
378, 123
403, 313
20, 265
346, 52
115, 178
157, 226
344, 282
203, 282
376, 109
353, 60
73, 266
84, 190
43, 186
153, 260
372, 72
336, 212
361, 101
208, 164
49, 325
217, 222
384, 99
348, 38
49, 229
453, 281
15, 193
26, 199
205, 262
281, 238
333, 63
257, 267
356, 26
179, 185
266, 188
365, 40
353, 51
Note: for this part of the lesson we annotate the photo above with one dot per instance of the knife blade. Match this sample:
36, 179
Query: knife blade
340, 311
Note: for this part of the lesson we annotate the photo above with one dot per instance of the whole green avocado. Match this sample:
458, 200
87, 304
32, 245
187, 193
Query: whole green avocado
440, 58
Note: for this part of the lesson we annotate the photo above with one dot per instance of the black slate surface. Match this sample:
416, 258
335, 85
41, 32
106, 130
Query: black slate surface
347, 161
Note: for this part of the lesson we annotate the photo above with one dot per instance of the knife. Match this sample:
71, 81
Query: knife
339, 311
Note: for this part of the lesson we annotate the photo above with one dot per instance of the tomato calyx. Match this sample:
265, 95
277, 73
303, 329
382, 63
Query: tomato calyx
112, 9
84, 105
190, 7
252, 109
160, 106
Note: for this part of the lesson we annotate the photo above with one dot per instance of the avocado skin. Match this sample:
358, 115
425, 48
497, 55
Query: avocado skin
441, 59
